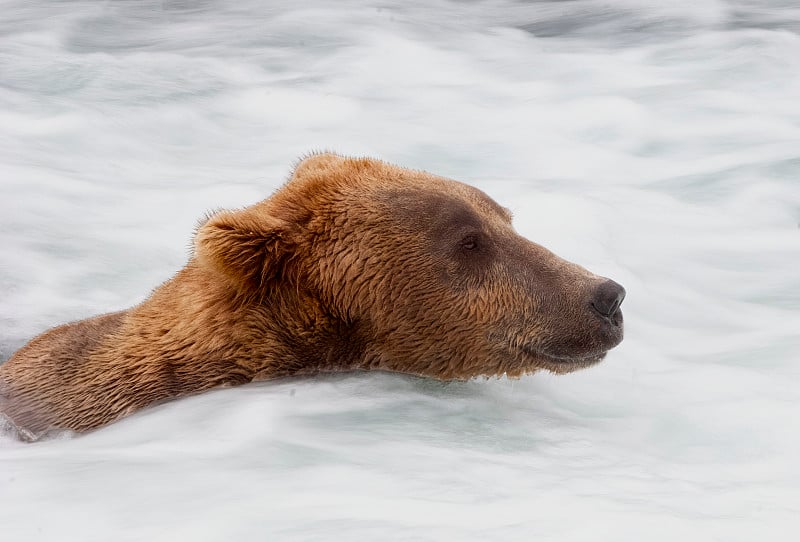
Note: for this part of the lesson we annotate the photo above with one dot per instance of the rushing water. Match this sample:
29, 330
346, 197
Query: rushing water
657, 143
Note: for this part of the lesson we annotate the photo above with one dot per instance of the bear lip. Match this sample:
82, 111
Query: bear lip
585, 360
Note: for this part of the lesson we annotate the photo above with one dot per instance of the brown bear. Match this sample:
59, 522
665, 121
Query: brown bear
354, 264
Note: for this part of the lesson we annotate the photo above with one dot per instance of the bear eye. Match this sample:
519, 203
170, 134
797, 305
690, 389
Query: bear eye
469, 242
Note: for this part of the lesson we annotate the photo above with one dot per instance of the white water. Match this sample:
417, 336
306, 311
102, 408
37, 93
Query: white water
657, 143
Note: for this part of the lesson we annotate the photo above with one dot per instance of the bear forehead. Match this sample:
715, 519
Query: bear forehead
448, 210
412, 193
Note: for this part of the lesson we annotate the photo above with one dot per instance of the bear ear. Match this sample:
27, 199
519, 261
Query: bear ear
316, 163
250, 247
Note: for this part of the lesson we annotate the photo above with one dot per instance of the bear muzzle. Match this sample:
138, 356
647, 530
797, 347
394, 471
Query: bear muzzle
582, 327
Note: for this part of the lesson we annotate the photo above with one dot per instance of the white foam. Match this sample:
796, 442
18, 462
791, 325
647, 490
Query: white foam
655, 144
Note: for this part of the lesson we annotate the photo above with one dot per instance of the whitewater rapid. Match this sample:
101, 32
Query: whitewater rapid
655, 144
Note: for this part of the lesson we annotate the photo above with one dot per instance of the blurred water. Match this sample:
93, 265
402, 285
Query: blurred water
656, 143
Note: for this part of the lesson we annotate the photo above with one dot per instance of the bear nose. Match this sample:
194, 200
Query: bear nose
607, 298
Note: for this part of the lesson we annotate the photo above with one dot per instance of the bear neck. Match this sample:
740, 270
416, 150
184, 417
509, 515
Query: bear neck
197, 333
192, 334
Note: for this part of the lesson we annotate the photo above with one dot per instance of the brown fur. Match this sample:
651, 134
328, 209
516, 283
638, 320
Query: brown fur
353, 264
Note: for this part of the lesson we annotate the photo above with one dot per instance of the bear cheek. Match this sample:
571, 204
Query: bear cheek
428, 331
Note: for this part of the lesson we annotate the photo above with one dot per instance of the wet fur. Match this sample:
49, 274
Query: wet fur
353, 264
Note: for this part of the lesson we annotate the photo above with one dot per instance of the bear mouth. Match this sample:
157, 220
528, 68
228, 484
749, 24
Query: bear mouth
590, 358
562, 363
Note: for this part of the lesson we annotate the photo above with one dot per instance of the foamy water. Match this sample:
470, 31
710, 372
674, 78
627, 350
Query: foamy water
655, 144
